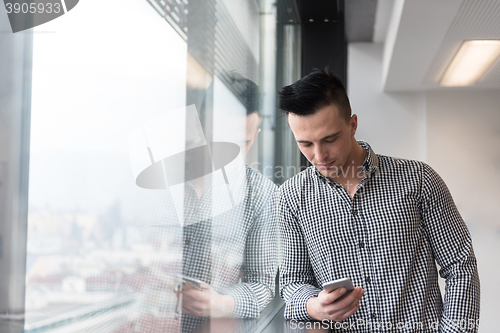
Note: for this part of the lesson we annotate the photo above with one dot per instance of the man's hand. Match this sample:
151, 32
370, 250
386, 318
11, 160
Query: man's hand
205, 302
328, 306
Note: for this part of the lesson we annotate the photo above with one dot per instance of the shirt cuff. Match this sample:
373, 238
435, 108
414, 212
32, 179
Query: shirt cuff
447, 325
296, 306
244, 302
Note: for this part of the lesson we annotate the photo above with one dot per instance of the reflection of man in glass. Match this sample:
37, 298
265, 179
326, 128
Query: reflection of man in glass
233, 254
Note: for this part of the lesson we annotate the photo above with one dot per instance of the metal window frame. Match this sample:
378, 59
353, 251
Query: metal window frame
15, 114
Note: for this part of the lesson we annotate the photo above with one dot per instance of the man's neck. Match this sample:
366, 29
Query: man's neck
350, 174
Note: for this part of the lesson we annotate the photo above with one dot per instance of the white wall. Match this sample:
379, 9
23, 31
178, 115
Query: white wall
463, 135
393, 124
457, 132
464, 138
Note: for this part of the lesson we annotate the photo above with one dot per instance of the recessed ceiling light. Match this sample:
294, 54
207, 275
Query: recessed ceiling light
311, 20
470, 63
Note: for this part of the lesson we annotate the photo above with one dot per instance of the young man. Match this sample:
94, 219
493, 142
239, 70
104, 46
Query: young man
235, 253
381, 221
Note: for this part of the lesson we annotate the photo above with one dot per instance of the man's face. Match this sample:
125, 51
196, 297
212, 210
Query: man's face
325, 139
240, 129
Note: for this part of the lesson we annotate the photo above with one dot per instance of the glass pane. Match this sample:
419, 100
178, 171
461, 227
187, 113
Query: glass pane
144, 214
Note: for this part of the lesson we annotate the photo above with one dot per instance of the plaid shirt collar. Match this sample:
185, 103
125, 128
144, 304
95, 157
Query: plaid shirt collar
369, 165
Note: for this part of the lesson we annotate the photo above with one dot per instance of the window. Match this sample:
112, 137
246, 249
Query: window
141, 119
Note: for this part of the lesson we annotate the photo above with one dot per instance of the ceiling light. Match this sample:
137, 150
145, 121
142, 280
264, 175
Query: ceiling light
470, 63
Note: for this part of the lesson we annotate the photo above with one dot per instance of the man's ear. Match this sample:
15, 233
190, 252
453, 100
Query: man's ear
353, 124
256, 133
253, 140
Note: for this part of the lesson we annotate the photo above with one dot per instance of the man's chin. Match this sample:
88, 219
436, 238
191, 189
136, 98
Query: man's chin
329, 173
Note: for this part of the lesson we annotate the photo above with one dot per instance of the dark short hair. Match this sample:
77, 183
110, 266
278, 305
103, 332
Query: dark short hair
247, 90
314, 91
251, 97
244, 89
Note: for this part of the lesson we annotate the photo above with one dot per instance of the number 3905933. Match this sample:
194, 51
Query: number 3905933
33, 8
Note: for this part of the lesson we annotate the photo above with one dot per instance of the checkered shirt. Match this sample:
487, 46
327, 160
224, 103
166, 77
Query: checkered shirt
386, 239
235, 252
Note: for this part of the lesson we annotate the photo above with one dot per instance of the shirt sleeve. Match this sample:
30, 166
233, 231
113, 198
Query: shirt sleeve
260, 264
297, 280
452, 248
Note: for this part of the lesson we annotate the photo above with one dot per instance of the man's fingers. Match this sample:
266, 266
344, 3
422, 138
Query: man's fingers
188, 286
352, 305
195, 307
332, 296
350, 312
341, 309
205, 286
324, 298
338, 293
353, 298
191, 293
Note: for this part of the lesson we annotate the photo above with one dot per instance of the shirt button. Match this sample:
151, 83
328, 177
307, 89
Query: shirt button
361, 244
354, 212
367, 279
374, 315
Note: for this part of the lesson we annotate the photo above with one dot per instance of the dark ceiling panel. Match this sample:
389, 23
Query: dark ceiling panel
319, 10
359, 20
288, 12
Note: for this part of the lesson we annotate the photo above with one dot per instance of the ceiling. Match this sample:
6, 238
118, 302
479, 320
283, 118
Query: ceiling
423, 36
360, 20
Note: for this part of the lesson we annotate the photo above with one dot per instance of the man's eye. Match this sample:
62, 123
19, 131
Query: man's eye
305, 144
330, 141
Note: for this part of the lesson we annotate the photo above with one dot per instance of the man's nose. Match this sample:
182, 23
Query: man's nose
320, 153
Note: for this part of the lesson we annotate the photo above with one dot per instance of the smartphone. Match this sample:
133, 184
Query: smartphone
340, 283
193, 281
